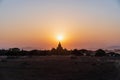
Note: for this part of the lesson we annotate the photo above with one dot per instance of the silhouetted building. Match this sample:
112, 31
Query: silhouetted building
59, 49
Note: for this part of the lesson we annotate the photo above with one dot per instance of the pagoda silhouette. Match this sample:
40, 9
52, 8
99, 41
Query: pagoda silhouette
59, 50
59, 47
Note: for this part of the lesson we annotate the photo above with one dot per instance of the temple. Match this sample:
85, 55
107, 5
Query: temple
59, 49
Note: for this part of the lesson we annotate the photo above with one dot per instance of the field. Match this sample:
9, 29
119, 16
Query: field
59, 68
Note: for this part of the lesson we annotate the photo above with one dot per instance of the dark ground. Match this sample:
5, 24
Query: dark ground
59, 68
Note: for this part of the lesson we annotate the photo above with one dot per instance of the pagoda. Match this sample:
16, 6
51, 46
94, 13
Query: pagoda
59, 49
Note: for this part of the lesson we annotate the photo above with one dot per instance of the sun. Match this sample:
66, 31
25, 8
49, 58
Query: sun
59, 37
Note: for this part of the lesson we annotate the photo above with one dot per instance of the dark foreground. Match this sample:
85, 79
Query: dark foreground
59, 68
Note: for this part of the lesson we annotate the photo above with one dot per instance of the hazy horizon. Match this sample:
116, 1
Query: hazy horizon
35, 24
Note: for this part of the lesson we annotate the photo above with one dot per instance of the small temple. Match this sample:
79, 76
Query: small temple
59, 47
59, 50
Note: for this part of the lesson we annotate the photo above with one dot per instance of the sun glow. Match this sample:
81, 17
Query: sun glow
59, 37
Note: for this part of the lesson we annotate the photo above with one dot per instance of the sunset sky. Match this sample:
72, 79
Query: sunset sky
36, 24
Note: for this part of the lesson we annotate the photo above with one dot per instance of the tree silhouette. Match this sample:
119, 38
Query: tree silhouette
76, 52
100, 53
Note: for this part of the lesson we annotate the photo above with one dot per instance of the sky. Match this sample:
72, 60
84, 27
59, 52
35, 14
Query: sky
35, 24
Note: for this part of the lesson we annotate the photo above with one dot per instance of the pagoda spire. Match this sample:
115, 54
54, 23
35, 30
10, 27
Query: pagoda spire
59, 44
59, 47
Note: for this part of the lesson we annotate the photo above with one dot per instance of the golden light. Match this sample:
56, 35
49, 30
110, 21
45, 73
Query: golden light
60, 37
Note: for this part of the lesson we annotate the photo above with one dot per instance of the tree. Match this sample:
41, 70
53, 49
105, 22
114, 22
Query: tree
76, 52
100, 53
13, 52
83, 52
53, 51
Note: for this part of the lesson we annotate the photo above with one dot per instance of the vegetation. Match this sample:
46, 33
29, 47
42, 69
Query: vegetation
75, 52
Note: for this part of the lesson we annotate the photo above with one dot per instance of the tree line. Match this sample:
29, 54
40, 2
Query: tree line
76, 52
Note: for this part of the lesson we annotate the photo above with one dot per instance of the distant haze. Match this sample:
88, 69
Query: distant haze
114, 47
35, 24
